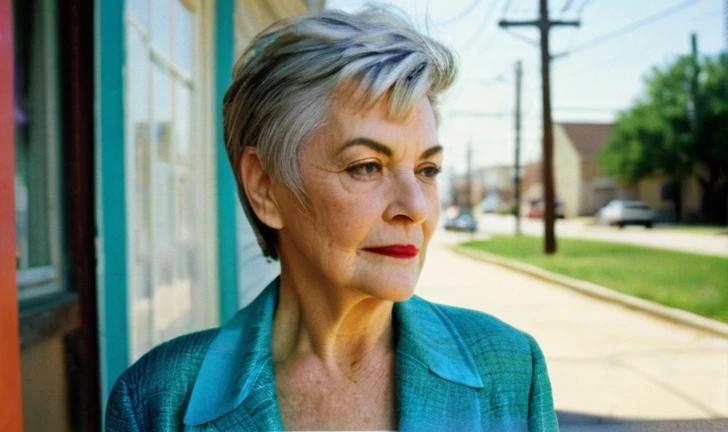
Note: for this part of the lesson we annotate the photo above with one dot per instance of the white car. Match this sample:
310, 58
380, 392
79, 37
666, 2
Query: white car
625, 212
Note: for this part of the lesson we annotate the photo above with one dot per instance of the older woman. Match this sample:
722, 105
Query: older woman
331, 132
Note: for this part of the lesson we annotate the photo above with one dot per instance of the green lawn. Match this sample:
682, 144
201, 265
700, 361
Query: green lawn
697, 283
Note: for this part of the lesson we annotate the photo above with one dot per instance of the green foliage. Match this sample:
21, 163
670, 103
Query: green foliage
693, 282
679, 127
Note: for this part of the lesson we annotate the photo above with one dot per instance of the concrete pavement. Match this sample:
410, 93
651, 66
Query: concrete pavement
659, 237
604, 360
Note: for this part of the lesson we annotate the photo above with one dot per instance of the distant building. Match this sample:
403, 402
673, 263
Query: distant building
583, 187
578, 177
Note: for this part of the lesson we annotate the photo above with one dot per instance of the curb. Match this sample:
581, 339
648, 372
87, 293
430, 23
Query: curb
597, 291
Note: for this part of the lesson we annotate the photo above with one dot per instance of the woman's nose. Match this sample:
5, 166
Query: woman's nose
409, 203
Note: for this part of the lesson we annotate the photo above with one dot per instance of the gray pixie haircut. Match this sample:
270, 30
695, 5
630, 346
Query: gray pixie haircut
285, 80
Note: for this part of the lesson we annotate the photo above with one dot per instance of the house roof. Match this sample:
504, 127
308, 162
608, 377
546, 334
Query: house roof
587, 138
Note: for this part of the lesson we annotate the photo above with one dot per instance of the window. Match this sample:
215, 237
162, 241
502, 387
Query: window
169, 161
37, 149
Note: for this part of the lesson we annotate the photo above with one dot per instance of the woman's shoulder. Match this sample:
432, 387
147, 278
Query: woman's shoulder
160, 381
483, 332
183, 352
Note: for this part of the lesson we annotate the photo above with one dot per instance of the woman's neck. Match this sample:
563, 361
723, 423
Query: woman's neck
337, 326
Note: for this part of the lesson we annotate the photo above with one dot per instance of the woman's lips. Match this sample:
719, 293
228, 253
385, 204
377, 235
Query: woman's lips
402, 251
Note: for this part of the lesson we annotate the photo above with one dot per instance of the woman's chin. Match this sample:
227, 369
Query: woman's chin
391, 287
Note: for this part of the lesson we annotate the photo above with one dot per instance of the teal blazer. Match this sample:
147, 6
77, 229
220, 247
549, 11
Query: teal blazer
456, 369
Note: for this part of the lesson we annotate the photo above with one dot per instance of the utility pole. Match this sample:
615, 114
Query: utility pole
694, 83
469, 180
725, 26
544, 24
517, 168
695, 115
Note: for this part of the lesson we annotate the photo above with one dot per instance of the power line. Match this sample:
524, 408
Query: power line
506, 7
579, 15
462, 14
521, 37
567, 6
479, 114
586, 109
633, 26
478, 30
582, 7
625, 58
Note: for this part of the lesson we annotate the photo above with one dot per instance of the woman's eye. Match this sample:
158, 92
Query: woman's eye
430, 171
365, 171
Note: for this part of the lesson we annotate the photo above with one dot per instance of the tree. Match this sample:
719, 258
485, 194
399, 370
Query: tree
679, 128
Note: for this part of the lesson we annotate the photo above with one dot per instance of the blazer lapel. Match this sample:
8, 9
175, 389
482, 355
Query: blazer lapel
258, 411
235, 387
437, 381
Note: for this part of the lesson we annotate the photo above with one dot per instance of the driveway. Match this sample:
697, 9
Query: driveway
663, 237
605, 361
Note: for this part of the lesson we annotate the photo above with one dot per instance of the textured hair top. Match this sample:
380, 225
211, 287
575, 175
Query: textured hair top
284, 83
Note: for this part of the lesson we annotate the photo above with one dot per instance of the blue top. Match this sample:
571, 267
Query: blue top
456, 370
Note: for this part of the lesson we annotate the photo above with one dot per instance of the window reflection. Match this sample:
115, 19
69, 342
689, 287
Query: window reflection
168, 167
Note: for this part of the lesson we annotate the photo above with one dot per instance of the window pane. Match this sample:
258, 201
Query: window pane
183, 132
184, 40
31, 138
160, 26
138, 115
169, 200
139, 11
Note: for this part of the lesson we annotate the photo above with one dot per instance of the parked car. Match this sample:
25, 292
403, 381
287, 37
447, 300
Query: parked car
462, 222
536, 209
626, 212
490, 203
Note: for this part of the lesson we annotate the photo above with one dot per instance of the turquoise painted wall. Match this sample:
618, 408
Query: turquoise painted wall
110, 179
227, 200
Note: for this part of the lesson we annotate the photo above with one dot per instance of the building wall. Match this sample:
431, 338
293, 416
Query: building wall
649, 190
597, 189
252, 16
567, 173
254, 271
45, 387
691, 200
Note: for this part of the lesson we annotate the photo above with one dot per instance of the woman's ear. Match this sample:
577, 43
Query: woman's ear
258, 188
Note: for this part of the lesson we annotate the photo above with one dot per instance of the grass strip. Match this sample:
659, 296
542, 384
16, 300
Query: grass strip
692, 282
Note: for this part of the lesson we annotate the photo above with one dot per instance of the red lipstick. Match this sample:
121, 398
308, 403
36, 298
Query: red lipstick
402, 251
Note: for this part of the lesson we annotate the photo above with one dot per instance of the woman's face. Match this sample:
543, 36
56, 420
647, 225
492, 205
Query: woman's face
372, 201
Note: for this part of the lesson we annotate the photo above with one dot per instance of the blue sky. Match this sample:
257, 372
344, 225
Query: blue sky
589, 84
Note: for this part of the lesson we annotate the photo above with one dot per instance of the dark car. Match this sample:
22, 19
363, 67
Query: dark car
462, 222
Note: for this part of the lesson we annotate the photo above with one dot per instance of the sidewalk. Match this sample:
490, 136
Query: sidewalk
604, 360
663, 238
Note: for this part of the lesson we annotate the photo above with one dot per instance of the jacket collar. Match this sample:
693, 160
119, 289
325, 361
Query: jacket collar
235, 360
426, 335
430, 352
437, 381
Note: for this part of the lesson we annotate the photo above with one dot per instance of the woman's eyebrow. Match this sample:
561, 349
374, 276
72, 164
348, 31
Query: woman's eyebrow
431, 151
367, 142
381, 148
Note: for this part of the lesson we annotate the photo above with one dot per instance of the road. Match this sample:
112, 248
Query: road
605, 360
659, 237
